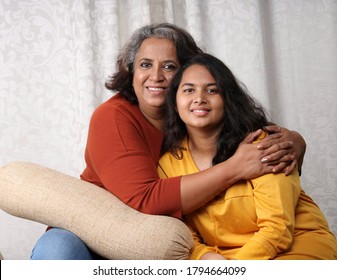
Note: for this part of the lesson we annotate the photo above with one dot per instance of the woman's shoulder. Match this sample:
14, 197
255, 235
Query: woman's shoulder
115, 104
115, 101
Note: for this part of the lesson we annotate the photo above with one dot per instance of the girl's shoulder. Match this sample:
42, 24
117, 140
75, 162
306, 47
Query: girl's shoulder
263, 135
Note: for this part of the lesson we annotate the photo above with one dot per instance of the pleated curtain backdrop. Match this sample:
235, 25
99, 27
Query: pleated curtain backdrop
56, 55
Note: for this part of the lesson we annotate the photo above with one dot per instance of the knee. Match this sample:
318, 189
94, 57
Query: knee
60, 244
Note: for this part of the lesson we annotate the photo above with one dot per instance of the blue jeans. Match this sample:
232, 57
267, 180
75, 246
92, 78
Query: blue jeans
61, 244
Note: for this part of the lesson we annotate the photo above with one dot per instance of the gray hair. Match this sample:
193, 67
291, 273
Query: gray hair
185, 45
178, 36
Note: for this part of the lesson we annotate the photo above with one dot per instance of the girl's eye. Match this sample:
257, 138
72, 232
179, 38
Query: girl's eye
212, 90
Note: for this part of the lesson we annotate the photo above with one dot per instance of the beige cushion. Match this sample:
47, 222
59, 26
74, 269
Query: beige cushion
104, 223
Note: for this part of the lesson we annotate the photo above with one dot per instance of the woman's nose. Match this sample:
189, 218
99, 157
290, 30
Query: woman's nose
156, 74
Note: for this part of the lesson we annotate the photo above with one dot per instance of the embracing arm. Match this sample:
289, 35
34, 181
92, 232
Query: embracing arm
244, 164
122, 156
281, 151
199, 188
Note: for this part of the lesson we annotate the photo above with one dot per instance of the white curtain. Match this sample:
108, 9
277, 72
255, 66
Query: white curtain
56, 55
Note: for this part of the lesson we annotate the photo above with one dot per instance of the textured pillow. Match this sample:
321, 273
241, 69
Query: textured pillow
103, 222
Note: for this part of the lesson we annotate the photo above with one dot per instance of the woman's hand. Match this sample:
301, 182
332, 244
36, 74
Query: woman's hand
283, 148
247, 158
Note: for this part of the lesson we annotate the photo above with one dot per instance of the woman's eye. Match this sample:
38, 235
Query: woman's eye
171, 67
145, 64
188, 90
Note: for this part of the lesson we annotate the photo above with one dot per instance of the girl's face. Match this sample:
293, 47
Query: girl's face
199, 102
155, 64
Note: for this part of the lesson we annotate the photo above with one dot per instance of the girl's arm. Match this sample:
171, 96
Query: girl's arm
201, 251
275, 198
199, 248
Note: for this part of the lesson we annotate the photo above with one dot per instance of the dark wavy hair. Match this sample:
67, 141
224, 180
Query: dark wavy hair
121, 81
242, 114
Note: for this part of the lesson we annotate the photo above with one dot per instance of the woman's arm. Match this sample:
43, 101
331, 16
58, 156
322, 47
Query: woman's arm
123, 158
199, 188
122, 154
281, 151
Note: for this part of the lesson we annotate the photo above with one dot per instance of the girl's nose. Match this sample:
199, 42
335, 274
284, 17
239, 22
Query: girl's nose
199, 98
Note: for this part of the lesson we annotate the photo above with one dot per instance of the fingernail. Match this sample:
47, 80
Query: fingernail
264, 159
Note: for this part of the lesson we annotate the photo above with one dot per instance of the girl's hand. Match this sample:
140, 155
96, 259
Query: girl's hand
212, 256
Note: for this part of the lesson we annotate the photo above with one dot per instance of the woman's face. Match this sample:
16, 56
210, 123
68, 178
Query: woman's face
155, 65
199, 102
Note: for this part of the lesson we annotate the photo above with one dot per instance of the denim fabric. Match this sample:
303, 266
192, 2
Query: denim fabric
61, 244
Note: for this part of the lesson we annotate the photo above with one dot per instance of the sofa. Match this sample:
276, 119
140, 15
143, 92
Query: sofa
107, 226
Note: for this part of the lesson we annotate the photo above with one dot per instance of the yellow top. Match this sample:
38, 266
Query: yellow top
269, 217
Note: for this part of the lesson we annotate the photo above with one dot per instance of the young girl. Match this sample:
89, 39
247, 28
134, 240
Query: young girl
269, 217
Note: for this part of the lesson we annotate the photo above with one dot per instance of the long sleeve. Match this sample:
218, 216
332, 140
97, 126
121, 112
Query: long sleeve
200, 248
256, 219
122, 154
275, 198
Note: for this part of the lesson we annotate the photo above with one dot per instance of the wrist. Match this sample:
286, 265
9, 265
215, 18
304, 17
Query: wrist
234, 171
